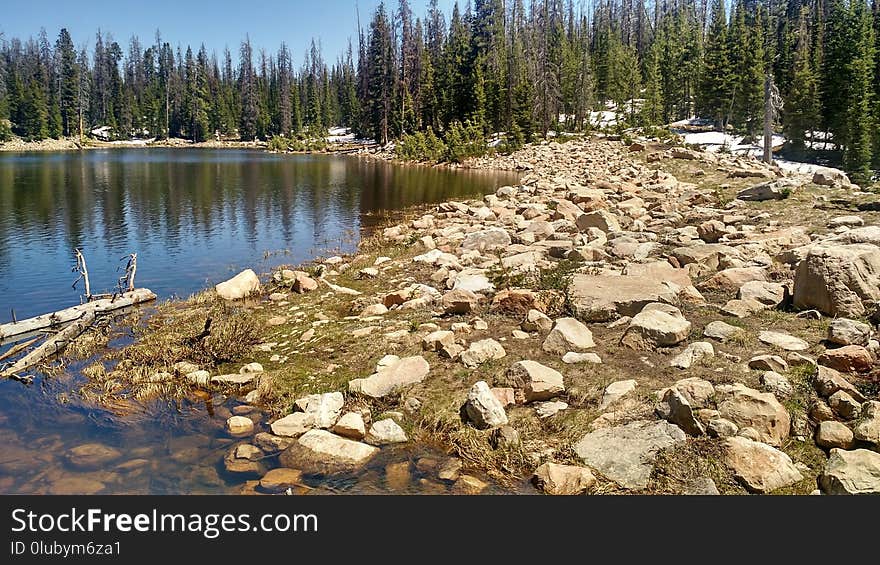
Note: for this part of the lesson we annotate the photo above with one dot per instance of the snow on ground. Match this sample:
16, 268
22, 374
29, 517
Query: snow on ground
717, 141
134, 142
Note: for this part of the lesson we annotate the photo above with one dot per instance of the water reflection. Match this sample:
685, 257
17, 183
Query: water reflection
194, 216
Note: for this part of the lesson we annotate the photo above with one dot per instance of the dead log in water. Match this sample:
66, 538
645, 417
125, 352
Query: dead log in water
52, 346
67, 315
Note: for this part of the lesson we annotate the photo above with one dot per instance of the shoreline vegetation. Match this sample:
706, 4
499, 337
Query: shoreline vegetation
640, 300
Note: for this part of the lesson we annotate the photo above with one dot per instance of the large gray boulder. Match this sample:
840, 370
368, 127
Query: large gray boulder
626, 454
851, 472
320, 451
657, 325
749, 408
838, 279
600, 298
534, 380
568, 334
483, 407
239, 286
392, 378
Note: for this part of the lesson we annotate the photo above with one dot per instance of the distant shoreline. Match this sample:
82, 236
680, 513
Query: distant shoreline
69, 144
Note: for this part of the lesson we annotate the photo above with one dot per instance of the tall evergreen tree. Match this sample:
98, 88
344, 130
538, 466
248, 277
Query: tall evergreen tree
715, 89
801, 107
247, 125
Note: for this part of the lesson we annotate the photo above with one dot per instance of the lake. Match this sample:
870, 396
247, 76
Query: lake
195, 217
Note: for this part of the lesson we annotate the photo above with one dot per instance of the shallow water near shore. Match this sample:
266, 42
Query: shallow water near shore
195, 217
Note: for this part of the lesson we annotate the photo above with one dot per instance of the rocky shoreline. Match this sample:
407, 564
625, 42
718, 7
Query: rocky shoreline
641, 318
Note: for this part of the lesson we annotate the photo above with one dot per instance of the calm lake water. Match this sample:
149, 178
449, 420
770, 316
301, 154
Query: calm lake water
195, 217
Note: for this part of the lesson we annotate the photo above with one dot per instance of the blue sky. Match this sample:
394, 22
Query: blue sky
216, 23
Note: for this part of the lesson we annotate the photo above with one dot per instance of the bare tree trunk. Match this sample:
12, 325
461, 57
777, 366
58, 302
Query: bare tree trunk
768, 119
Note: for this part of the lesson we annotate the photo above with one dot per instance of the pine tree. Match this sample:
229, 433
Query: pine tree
748, 69
801, 107
380, 76
714, 95
857, 155
247, 125
652, 109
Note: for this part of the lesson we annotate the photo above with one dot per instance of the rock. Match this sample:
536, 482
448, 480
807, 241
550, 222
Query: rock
537, 381
693, 354
768, 363
486, 240
549, 409
556, 479
504, 437
706, 257
721, 331
828, 381
601, 219
849, 358
292, 425
698, 392
468, 484
572, 358
783, 341
280, 479
844, 331
244, 459
450, 469
537, 321
271, 443
701, 486
615, 391
601, 298
350, 425
483, 407
711, 231
777, 384
746, 407
837, 279
767, 293
568, 334
734, 278
625, 454
199, 378
851, 221
322, 409
819, 411
238, 426
435, 341
474, 281
238, 379
385, 432
459, 301
844, 405
515, 301
374, 310
239, 286
92, 456
392, 378
657, 325
831, 434
480, 352
759, 467
75, 485
868, 427
721, 428
831, 177
771, 190
851, 472
321, 450
681, 413
742, 308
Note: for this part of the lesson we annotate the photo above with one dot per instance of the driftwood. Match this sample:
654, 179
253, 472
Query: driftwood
16, 349
61, 317
83, 271
52, 345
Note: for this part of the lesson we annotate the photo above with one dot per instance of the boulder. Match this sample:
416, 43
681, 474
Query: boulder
770, 190
844, 405
768, 363
657, 325
626, 454
783, 341
320, 450
459, 301
831, 434
481, 351
385, 432
681, 413
827, 176
239, 426
867, 429
769, 294
572, 358
392, 378
239, 286
537, 381
615, 391
600, 298
747, 407
303, 283
244, 459
486, 240
828, 381
280, 479
693, 354
851, 472
838, 279
843, 331
553, 478
721, 331
292, 425
350, 425
537, 321
849, 358
322, 409
568, 334
483, 407
473, 280
435, 341
92, 456
734, 278
777, 384
600, 219
759, 467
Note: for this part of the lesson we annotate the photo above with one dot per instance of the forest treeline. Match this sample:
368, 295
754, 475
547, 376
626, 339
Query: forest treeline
515, 66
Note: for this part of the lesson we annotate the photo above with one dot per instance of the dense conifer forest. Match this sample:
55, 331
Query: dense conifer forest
524, 68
